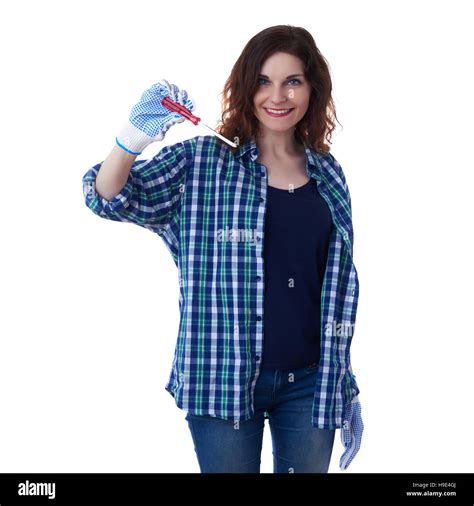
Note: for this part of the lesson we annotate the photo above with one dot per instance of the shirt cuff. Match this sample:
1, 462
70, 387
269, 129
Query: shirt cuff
99, 204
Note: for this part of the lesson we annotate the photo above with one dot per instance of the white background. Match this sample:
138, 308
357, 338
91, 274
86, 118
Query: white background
89, 309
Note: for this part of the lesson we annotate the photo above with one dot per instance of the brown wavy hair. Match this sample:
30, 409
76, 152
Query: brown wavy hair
238, 118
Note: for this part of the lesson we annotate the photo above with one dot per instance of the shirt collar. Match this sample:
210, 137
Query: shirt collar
249, 151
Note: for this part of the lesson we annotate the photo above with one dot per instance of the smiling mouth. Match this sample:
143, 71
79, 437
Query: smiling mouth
276, 113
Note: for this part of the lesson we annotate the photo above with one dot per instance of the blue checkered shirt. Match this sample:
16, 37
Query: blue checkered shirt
208, 206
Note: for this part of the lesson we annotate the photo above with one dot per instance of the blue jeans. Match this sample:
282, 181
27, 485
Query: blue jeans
285, 397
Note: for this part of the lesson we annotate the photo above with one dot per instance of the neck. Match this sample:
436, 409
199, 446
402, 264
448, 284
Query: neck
278, 144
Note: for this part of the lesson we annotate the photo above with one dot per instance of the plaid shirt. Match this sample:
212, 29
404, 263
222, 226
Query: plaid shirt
208, 206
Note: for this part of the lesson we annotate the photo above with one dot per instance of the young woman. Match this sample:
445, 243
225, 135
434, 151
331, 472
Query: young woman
262, 238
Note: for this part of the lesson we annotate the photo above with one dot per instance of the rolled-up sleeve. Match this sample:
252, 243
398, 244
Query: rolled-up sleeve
151, 196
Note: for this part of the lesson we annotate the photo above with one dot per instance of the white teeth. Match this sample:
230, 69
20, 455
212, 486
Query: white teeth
279, 111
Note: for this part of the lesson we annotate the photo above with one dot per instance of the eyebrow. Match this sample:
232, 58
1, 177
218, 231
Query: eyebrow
287, 77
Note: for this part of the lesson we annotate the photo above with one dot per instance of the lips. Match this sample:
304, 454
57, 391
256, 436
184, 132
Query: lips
277, 113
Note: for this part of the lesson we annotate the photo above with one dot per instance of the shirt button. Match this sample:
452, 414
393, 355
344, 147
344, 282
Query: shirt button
257, 357
345, 425
258, 238
262, 199
259, 317
258, 278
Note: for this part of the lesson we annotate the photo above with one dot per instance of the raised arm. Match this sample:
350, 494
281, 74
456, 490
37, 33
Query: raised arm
145, 192
114, 172
152, 191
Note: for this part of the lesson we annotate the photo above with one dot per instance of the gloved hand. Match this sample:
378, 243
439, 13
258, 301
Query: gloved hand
351, 432
150, 120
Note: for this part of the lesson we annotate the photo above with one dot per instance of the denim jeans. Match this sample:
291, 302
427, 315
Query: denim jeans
285, 397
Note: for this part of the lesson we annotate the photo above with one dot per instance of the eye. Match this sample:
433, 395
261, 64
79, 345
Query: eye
261, 79
293, 80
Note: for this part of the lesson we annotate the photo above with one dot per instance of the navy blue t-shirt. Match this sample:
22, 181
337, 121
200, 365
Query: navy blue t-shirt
297, 231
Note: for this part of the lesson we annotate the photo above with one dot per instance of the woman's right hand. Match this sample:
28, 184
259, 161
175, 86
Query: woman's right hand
150, 120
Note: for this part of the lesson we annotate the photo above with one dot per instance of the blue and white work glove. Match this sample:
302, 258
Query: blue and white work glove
351, 433
150, 120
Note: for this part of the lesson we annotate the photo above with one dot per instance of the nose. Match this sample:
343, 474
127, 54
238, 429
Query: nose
278, 96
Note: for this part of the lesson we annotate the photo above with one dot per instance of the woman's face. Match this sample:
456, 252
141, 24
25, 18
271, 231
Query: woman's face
282, 89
